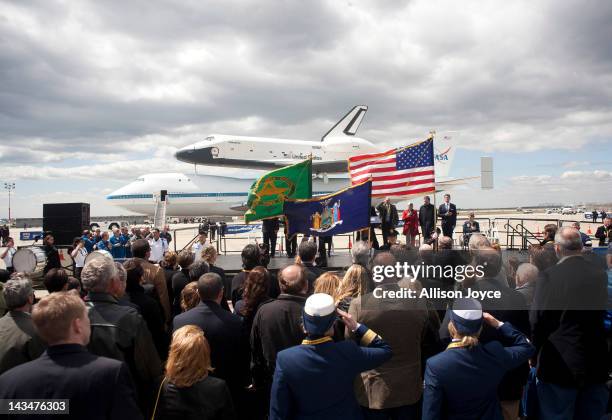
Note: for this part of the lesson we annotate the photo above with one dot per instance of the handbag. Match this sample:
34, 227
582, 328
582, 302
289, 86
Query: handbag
161, 386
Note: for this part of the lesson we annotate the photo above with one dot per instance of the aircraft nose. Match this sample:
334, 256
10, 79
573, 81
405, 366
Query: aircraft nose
194, 155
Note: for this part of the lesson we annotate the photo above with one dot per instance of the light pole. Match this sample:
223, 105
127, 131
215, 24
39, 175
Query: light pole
9, 186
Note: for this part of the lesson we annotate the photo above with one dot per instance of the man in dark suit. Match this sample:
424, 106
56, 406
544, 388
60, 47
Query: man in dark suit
290, 242
269, 229
604, 233
427, 218
224, 332
448, 213
97, 387
568, 313
307, 251
388, 217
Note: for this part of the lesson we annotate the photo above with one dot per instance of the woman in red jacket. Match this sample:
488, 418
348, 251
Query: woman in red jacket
411, 225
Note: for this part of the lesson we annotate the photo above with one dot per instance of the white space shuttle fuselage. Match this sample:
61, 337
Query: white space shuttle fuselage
329, 155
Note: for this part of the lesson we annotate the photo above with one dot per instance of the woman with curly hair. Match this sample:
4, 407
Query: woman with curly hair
254, 295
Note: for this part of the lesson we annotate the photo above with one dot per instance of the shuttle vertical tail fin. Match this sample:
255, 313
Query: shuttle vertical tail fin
349, 124
444, 153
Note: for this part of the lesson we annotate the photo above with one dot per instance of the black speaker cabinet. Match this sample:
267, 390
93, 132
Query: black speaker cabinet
65, 221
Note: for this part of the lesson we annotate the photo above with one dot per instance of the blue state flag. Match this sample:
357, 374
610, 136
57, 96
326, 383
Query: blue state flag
346, 211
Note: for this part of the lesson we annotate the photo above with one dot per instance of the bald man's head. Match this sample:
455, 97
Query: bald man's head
293, 280
568, 241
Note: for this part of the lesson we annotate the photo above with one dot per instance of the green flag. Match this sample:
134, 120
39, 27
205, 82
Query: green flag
270, 191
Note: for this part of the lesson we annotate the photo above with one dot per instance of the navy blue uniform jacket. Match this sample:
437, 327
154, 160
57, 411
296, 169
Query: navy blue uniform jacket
461, 383
315, 381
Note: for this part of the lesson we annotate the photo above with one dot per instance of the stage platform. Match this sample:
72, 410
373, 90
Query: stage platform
232, 263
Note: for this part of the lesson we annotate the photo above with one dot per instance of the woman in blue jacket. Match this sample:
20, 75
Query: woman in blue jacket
461, 382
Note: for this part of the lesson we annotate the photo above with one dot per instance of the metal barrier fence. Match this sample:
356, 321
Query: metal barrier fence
515, 233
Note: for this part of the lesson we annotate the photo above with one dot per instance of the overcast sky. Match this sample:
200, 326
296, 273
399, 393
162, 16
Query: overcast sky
95, 93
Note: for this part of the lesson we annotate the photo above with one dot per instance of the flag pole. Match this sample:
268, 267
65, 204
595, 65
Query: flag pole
435, 226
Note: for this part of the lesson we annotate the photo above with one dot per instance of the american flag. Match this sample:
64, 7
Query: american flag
397, 172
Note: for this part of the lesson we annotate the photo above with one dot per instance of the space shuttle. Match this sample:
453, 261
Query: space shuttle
329, 154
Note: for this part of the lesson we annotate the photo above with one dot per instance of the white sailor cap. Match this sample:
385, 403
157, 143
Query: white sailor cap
319, 313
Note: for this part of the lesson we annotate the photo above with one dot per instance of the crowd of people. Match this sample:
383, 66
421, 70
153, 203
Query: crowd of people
163, 335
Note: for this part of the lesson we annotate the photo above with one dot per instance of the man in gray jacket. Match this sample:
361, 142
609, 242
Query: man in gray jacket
19, 342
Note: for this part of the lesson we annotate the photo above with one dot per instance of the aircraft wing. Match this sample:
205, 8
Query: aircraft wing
456, 181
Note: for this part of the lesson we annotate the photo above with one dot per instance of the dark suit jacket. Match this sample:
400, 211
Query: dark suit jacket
277, 326
312, 272
207, 399
568, 323
227, 339
19, 342
426, 218
97, 387
448, 218
180, 279
382, 212
603, 235
269, 225
152, 312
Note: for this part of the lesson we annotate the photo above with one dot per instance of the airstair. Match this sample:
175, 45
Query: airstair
161, 206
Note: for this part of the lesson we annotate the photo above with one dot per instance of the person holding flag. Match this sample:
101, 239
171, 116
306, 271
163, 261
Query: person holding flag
269, 192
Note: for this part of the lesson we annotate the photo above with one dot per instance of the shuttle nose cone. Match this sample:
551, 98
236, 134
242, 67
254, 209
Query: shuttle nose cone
194, 155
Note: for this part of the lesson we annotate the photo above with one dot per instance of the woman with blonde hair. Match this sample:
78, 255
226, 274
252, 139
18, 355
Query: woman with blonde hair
353, 284
187, 390
327, 283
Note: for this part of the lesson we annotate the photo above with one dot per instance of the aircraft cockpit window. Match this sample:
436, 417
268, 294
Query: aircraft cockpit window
141, 179
209, 138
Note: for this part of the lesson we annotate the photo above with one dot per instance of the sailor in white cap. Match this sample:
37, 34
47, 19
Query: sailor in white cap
315, 379
461, 382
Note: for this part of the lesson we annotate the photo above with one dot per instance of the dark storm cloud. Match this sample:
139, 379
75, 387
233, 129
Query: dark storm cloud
103, 77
